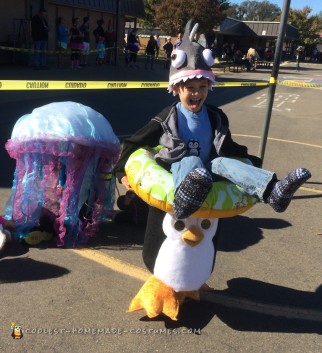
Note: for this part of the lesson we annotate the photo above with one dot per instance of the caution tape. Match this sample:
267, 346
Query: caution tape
240, 84
7, 85
16, 85
60, 51
12, 85
292, 83
69, 50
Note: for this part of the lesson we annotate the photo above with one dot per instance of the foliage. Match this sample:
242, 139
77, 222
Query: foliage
171, 16
309, 27
253, 11
148, 21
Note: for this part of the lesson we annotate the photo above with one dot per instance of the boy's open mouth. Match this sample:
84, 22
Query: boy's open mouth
194, 103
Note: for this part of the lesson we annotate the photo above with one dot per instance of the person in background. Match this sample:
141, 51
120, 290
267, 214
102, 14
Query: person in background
84, 29
268, 54
99, 33
168, 48
61, 40
298, 57
157, 38
178, 41
252, 56
110, 36
126, 52
39, 34
133, 45
150, 50
75, 43
241, 60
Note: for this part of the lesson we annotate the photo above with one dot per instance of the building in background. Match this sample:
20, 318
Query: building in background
15, 16
261, 35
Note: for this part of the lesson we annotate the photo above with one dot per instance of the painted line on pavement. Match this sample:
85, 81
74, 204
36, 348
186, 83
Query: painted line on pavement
141, 274
288, 141
113, 263
280, 140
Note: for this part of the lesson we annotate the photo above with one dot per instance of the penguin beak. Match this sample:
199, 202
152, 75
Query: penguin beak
193, 236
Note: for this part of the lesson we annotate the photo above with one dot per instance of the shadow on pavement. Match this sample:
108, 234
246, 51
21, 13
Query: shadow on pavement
296, 313
26, 269
123, 235
231, 239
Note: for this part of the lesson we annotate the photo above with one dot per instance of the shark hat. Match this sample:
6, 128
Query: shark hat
191, 59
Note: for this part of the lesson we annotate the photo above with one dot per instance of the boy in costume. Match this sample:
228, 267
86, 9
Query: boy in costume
198, 147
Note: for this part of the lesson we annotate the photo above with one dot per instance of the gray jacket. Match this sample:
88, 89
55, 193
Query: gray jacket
174, 148
162, 130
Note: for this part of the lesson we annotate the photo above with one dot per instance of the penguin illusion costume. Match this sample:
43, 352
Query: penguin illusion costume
179, 253
177, 248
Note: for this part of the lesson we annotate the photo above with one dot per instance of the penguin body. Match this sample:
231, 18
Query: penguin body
185, 259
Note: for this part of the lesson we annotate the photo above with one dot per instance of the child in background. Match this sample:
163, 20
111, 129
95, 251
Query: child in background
100, 46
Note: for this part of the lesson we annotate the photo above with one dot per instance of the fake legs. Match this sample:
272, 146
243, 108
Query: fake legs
193, 182
252, 180
261, 183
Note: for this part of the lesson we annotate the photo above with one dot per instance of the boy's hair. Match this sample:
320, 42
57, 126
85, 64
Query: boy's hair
186, 82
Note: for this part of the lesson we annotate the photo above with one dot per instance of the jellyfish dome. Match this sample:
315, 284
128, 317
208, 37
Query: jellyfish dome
64, 153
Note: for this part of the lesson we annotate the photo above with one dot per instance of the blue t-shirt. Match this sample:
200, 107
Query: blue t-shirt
196, 132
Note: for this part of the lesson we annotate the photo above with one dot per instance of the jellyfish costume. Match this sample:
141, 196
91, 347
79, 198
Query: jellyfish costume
64, 154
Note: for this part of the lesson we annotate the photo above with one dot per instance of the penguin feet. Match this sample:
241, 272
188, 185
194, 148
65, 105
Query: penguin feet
156, 298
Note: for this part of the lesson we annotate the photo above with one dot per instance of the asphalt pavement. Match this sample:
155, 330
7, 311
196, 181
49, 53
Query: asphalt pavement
267, 279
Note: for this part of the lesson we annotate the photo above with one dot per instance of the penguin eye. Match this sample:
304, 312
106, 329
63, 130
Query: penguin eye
178, 57
205, 224
208, 56
179, 225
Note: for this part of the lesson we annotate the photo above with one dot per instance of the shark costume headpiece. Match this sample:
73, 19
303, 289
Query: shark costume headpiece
191, 59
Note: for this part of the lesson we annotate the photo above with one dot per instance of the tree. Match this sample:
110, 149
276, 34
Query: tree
148, 21
172, 15
309, 27
254, 11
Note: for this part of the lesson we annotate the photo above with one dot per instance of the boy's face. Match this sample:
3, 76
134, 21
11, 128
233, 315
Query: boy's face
192, 93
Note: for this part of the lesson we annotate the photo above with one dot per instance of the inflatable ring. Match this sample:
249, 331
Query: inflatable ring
154, 184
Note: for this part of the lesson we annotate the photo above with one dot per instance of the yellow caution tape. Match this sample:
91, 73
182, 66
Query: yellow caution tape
239, 84
299, 84
65, 51
15, 85
272, 81
7, 85
61, 85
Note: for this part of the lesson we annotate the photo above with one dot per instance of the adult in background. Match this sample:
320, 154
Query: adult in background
240, 60
150, 50
133, 45
99, 34
75, 43
157, 38
178, 41
84, 29
61, 40
252, 56
298, 57
168, 48
110, 36
39, 34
